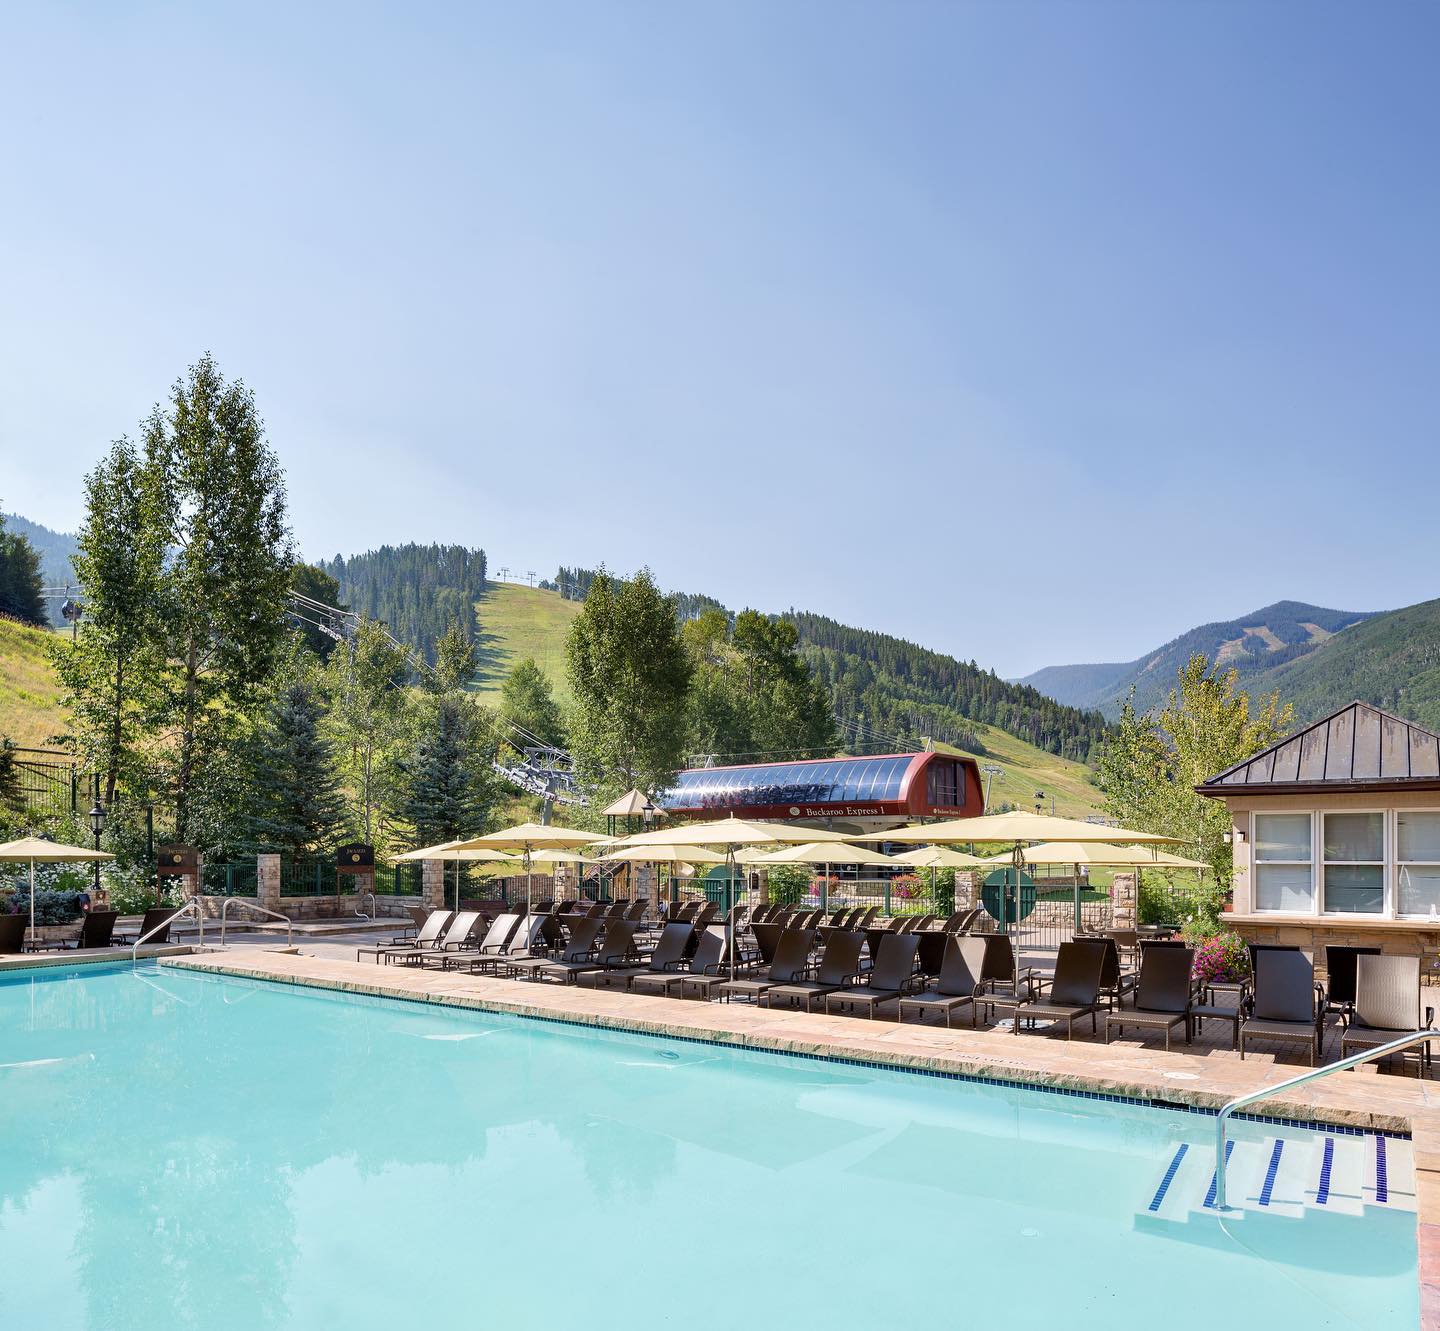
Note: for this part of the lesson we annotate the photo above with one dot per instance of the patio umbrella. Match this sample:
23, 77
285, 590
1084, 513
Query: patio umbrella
674, 856
1101, 853
825, 853
451, 850
730, 834
36, 850
937, 857
525, 839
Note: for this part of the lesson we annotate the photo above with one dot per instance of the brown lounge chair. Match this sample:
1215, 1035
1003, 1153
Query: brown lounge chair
1387, 1006
839, 968
792, 960
509, 938
705, 965
892, 975
12, 932
1164, 995
958, 984
153, 919
1287, 1005
612, 952
665, 958
498, 933
426, 937
458, 940
96, 930
580, 946
1074, 991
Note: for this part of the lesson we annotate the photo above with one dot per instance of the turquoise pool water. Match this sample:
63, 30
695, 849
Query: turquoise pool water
187, 1151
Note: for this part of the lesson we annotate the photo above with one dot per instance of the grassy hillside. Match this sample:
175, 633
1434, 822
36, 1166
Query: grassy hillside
518, 621
1027, 769
1267, 639
1391, 660
29, 694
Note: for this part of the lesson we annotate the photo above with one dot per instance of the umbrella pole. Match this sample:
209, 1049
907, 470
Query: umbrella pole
32, 905
729, 914
527, 879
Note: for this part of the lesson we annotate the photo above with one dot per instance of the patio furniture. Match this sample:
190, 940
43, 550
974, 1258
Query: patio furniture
96, 930
12, 933
1286, 1005
453, 942
1164, 994
426, 936
1115, 981
958, 985
792, 959
1386, 1005
892, 975
153, 918
839, 966
704, 966
612, 952
667, 954
578, 947
523, 942
1073, 991
1340, 975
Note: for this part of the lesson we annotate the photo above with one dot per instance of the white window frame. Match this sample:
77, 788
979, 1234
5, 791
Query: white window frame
1398, 863
1386, 860
1316, 885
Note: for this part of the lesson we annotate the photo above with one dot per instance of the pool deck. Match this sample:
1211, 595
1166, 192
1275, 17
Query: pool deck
1363, 1099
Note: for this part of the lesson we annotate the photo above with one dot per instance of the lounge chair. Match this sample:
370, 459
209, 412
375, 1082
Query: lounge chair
523, 941
580, 946
612, 952
1286, 1005
706, 914
96, 930
958, 985
153, 919
635, 911
767, 939
494, 943
457, 940
1340, 975
12, 932
704, 966
839, 968
426, 937
1115, 981
1386, 1006
792, 960
892, 975
1164, 994
1073, 991
667, 956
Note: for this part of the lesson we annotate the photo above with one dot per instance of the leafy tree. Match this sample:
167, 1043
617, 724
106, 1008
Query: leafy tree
527, 701
220, 510
1149, 768
630, 675
455, 661
316, 585
295, 804
20, 584
109, 670
366, 678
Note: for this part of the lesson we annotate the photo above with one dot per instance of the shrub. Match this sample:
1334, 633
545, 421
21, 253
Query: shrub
788, 884
1222, 959
50, 907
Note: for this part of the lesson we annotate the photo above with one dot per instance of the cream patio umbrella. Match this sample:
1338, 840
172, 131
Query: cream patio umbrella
674, 856
731, 834
825, 853
937, 857
451, 850
1101, 853
36, 850
525, 839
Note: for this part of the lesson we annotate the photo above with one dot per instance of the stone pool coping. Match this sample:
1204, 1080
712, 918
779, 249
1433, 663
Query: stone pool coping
1359, 1100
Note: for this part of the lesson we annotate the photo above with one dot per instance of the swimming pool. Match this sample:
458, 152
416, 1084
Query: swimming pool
193, 1151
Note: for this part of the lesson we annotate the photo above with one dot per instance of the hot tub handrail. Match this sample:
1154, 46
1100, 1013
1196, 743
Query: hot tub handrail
264, 910
374, 906
1313, 1074
190, 903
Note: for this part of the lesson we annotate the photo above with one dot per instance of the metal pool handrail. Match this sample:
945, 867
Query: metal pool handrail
374, 906
251, 905
1314, 1074
191, 903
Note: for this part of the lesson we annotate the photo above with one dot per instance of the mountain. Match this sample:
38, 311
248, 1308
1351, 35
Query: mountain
1391, 660
1273, 637
56, 549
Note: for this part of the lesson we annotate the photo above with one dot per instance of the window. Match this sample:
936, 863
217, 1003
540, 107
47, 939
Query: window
1417, 862
1284, 863
1354, 863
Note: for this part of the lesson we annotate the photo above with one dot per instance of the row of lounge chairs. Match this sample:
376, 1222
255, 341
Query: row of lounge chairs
97, 930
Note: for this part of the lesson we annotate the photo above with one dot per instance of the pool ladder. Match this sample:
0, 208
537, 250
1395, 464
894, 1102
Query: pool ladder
196, 905
1222, 1145
251, 905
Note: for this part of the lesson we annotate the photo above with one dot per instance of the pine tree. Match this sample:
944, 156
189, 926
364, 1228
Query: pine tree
446, 777
11, 797
526, 702
455, 661
295, 803
20, 583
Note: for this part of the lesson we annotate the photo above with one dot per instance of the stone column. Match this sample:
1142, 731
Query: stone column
432, 884
1123, 901
967, 889
267, 881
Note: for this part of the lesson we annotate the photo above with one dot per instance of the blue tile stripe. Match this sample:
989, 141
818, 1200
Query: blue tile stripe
1142, 1102
1271, 1170
1169, 1176
1382, 1180
1215, 1177
1327, 1163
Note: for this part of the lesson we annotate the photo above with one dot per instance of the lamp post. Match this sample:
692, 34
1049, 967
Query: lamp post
97, 824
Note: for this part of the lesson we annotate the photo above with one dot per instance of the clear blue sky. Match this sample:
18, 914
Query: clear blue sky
955, 320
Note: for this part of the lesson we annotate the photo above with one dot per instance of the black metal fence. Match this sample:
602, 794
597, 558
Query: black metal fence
48, 781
